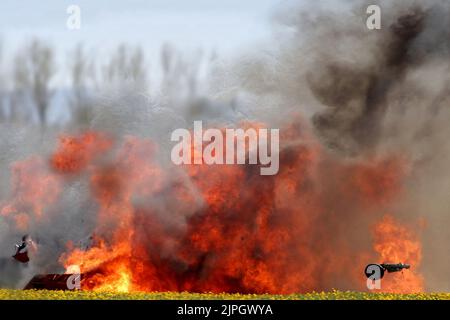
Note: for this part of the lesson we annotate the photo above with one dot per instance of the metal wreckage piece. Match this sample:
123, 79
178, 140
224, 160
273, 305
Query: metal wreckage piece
376, 271
21, 254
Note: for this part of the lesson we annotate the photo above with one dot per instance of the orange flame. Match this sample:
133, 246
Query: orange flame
229, 229
396, 243
76, 153
34, 189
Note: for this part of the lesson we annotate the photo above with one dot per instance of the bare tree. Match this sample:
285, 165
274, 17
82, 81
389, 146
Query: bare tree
127, 67
34, 69
82, 75
180, 75
20, 93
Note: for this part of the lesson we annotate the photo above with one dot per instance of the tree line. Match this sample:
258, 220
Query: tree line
27, 84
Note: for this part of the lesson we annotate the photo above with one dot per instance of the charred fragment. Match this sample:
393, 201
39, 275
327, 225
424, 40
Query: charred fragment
49, 282
377, 271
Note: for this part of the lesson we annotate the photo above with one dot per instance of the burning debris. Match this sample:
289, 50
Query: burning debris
394, 267
371, 269
49, 282
22, 249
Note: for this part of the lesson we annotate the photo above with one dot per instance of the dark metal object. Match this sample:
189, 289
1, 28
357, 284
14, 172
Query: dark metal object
376, 271
49, 282
395, 267
21, 254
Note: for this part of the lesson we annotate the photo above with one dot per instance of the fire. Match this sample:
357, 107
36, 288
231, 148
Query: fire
115, 274
132, 174
75, 153
122, 284
397, 243
34, 189
227, 228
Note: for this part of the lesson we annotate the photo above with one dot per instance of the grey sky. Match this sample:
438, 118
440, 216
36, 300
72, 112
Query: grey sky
220, 24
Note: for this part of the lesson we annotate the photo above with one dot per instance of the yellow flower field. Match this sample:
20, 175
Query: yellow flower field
6, 294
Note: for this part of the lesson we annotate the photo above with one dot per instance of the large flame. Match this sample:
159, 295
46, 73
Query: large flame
34, 188
395, 243
226, 228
